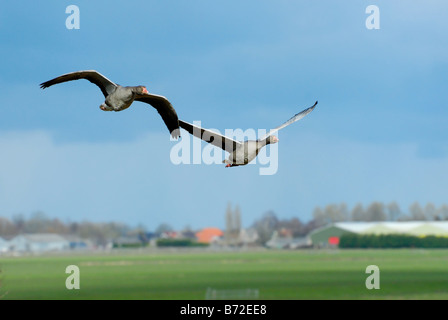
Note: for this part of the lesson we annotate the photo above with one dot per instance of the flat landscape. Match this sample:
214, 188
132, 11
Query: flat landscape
174, 275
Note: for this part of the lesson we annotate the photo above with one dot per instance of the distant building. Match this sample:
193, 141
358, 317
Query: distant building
209, 235
77, 243
329, 235
188, 234
150, 235
128, 241
248, 237
38, 242
170, 235
4, 245
278, 241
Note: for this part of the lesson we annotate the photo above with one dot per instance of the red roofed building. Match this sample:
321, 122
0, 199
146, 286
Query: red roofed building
208, 235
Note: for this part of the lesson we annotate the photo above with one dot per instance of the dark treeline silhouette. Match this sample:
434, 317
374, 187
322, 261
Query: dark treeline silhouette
391, 241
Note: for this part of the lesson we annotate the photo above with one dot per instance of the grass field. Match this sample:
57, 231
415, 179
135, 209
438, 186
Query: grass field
301, 274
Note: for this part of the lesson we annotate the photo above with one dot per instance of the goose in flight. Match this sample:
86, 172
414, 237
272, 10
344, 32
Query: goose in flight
240, 153
119, 98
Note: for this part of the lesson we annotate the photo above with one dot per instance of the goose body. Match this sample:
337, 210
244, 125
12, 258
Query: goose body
247, 151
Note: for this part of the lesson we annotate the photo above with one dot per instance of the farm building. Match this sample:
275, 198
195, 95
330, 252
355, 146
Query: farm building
4, 245
39, 242
279, 242
248, 237
128, 241
77, 243
330, 234
209, 235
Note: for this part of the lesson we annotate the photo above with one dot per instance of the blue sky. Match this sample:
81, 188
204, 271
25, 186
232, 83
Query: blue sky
379, 132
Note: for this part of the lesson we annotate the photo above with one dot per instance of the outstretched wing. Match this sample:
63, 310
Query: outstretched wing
106, 86
165, 109
211, 137
295, 118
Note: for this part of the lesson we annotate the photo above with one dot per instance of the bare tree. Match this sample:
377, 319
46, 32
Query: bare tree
331, 213
336, 213
430, 211
38, 223
19, 222
229, 224
416, 212
319, 217
266, 226
343, 212
57, 226
237, 220
7, 228
375, 212
233, 225
358, 213
393, 211
442, 212
237, 224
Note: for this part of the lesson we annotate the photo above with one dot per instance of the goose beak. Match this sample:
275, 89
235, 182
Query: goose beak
145, 90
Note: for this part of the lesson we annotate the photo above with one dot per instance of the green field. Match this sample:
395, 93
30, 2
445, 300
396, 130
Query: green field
299, 274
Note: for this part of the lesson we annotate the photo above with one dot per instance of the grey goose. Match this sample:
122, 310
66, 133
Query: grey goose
119, 98
240, 152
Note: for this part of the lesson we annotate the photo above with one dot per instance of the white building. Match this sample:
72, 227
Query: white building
38, 242
248, 237
4, 245
331, 233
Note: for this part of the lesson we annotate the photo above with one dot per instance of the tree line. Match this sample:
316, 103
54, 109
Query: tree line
331, 213
378, 211
265, 226
99, 233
